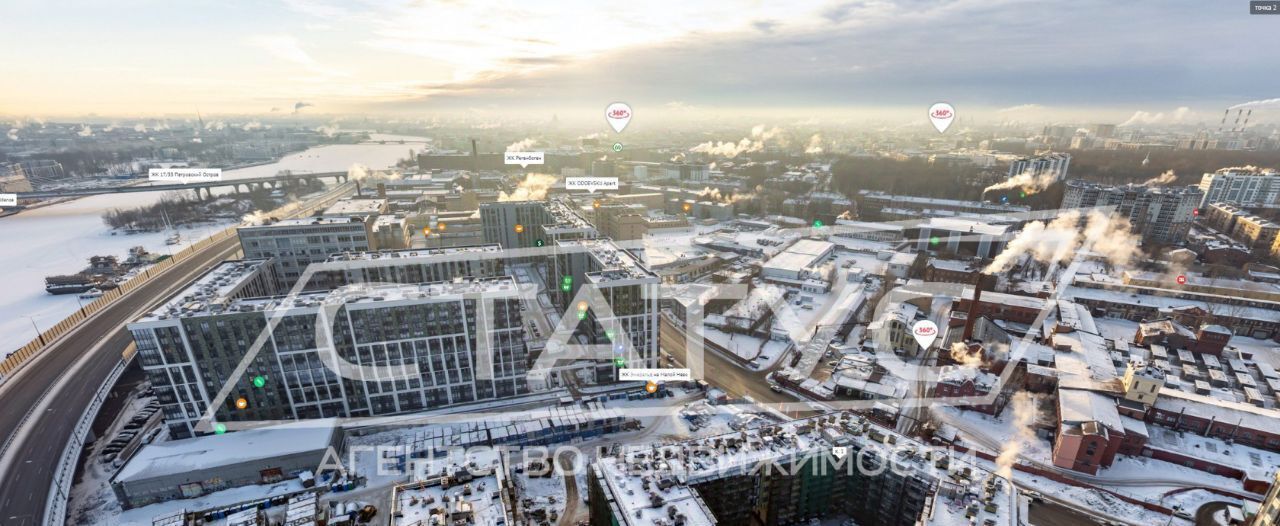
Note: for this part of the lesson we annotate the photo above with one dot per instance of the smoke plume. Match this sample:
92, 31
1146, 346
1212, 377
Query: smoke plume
960, 353
1024, 419
358, 172
760, 137
85, 131
328, 130
815, 145
140, 127
521, 145
1112, 238
13, 134
1053, 242
533, 188
1256, 104
1162, 179
1027, 182
1046, 242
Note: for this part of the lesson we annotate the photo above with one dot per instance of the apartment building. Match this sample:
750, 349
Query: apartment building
1157, 213
628, 287
400, 347
790, 474
293, 244
1247, 186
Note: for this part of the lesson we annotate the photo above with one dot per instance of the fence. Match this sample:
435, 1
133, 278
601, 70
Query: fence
33, 348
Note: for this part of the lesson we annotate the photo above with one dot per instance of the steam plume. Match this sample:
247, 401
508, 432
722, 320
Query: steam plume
533, 188
521, 145
760, 137
1024, 418
1162, 179
815, 145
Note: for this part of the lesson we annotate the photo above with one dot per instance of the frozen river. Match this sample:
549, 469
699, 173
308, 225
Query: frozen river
59, 239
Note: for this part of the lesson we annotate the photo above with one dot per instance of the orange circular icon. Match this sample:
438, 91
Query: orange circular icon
440, 227
651, 387
519, 229
688, 207
595, 204
426, 231
241, 403
582, 305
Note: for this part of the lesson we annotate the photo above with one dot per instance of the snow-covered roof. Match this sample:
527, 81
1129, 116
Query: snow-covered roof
1077, 406
1210, 408
200, 453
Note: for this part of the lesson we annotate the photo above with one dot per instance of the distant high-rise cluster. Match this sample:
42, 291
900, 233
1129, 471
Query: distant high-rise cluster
1160, 214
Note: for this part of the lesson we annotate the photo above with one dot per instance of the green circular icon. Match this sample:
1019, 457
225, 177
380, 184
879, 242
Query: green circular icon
617, 146
538, 242
934, 240
817, 223
620, 362
219, 428
259, 381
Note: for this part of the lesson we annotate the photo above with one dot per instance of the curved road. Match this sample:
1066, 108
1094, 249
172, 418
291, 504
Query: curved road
56, 386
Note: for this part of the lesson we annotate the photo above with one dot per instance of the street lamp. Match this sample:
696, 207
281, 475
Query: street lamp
39, 335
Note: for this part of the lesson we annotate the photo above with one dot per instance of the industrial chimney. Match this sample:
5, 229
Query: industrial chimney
475, 164
971, 317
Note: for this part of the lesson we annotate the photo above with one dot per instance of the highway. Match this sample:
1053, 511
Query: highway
719, 370
85, 356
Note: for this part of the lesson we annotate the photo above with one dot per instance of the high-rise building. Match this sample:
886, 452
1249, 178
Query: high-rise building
526, 224
513, 224
1055, 164
1269, 510
1102, 131
1161, 214
1248, 187
400, 347
293, 244
627, 286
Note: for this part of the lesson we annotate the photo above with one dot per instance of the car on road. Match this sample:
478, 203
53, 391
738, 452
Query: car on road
1035, 496
775, 388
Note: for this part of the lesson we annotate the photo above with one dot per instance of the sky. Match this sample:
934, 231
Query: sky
1138, 59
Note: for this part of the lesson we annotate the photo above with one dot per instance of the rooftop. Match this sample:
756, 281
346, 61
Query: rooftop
201, 453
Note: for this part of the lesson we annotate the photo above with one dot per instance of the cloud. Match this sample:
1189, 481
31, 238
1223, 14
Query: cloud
287, 48
886, 53
765, 26
1021, 107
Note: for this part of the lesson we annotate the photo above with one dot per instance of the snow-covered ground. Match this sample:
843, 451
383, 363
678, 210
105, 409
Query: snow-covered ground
748, 347
59, 239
